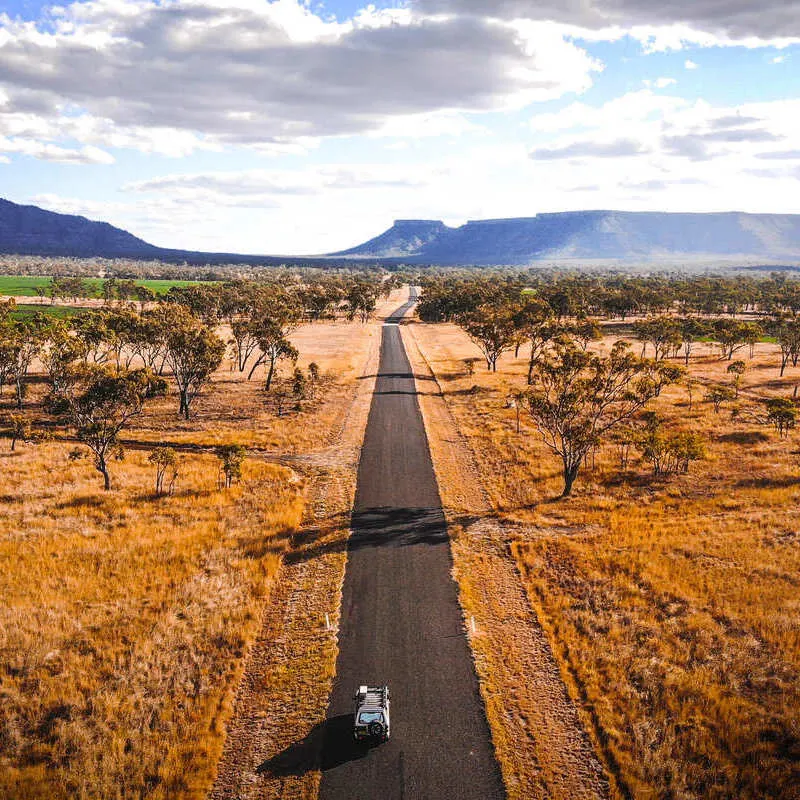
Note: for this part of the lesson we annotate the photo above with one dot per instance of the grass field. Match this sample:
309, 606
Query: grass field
23, 310
125, 618
671, 605
26, 285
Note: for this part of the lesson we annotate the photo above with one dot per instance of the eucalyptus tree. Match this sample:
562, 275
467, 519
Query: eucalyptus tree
732, 335
270, 327
492, 327
100, 402
786, 330
361, 300
577, 397
692, 330
663, 333
193, 353
21, 340
62, 351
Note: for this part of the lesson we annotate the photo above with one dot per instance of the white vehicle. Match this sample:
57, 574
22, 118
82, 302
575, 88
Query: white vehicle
371, 713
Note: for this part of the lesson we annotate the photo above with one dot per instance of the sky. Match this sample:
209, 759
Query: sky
291, 127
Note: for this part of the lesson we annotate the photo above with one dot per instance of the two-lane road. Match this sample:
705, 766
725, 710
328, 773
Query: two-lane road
401, 622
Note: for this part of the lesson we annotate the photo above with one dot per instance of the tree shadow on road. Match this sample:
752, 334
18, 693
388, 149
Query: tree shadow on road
373, 527
397, 527
327, 746
415, 375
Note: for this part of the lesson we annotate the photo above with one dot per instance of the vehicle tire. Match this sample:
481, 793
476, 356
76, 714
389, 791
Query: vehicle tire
376, 729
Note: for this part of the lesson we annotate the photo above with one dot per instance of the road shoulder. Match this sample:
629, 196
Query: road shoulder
273, 742
542, 747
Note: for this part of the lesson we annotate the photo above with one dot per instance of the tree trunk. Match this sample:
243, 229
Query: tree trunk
184, 407
270, 374
254, 367
103, 469
570, 474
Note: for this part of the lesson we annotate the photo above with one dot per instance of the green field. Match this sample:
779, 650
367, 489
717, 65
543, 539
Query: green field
61, 312
26, 285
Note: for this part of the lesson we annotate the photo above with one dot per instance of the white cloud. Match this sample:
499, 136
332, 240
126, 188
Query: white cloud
780, 155
659, 83
726, 20
779, 59
420, 126
689, 64
271, 188
672, 155
95, 210
590, 148
47, 151
676, 155
173, 77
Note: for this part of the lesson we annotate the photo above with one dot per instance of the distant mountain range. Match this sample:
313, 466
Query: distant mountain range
589, 235
29, 230
32, 230
640, 237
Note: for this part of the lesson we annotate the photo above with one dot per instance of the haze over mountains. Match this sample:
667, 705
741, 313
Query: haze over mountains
576, 236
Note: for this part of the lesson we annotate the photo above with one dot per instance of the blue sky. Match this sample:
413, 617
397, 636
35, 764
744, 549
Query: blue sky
291, 127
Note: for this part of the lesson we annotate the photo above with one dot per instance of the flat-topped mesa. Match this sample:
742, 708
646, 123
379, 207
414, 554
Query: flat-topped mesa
406, 237
420, 223
586, 235
639, 237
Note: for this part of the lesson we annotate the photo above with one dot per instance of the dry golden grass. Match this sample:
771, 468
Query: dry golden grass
126, 618
671, 605
539, 742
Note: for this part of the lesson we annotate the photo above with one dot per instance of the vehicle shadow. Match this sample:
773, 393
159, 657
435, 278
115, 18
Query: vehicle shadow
326, 746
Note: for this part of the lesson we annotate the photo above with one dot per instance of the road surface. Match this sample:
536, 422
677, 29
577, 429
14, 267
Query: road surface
401, 622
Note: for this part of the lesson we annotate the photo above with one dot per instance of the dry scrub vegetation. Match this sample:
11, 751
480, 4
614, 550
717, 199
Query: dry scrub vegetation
235, 410
126, 617
671, 604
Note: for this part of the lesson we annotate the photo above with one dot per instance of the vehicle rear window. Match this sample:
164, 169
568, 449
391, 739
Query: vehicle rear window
365, 717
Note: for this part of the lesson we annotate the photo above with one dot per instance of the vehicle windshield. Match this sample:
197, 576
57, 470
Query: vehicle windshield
365, 717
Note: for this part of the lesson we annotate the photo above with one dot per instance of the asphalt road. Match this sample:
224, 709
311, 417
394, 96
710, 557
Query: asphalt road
401, 622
